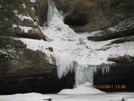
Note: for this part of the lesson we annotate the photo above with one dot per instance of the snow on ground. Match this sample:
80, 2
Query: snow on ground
55, 97
120, 98
94, 97
24, 97
81, 89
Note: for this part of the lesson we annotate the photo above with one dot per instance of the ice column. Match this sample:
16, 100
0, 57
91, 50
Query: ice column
50, 13
84, 74
80, 62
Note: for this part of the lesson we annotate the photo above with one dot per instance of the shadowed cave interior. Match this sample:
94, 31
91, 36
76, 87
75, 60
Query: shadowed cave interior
76, 20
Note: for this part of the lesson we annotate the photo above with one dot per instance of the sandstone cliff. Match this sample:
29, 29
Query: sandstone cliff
90, 15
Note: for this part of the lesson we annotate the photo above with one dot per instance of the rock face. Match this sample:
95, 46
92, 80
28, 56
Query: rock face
90, 15
30, 72
85, 15
28, 23
26, 70
122, 29
119, 78
41, 7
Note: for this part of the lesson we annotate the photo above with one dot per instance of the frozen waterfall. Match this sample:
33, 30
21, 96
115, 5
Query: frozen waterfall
50, 10
72, 51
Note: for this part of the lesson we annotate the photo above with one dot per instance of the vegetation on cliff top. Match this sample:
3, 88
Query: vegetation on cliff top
122, 9
7, 19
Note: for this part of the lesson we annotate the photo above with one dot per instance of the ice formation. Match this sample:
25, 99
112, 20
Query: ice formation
70, 49
73, 52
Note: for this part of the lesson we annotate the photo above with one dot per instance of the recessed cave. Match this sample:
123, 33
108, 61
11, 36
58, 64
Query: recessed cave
76, 20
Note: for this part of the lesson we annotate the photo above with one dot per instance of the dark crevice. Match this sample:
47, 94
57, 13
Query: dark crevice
76, 20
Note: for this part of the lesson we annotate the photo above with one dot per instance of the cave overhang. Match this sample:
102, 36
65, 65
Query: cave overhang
76, 20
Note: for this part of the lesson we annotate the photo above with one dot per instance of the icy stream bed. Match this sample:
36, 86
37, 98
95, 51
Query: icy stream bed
57, 97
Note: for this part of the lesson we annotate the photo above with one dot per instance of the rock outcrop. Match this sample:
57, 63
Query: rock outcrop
41, 7
23, 70
91, 15
30, 71
123, 29
85, 15
28, 22
119, 78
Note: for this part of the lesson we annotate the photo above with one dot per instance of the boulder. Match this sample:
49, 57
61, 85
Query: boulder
29, 32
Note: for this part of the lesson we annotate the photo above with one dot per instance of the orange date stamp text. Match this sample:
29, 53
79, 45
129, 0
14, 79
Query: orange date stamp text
109, 86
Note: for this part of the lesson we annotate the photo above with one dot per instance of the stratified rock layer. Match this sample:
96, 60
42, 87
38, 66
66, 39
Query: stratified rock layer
91, 15
30, 72
119, 78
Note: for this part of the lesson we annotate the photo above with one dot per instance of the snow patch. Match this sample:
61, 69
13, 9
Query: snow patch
113, 29
24, 17
25, 97
24, 6
33, 1
25, 29
95, 33
15, 11
81, 89
3, 52
38, 45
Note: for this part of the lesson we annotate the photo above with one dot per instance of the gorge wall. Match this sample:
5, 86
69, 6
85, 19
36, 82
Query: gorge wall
30, 71
90, 15
23, 70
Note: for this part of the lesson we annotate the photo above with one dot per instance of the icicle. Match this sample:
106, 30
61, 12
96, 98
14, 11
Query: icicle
50, 12
64, 64
105, 68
